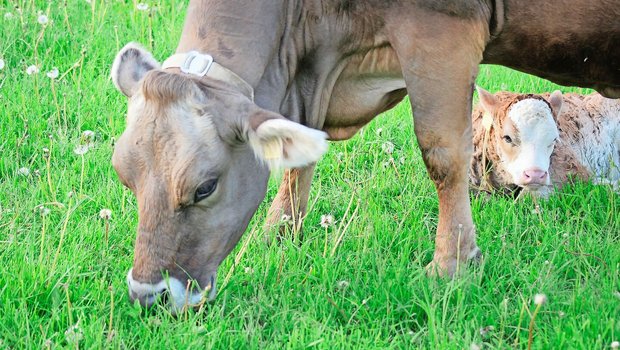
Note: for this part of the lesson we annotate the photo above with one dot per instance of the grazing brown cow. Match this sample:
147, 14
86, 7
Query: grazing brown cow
281, 76
537, 142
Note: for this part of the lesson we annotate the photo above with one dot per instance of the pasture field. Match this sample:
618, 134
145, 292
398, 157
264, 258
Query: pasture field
358, 284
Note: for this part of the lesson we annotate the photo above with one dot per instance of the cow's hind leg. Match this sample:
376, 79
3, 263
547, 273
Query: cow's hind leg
440, 63
288, 209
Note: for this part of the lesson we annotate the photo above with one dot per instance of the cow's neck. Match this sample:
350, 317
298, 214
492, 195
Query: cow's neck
240, 35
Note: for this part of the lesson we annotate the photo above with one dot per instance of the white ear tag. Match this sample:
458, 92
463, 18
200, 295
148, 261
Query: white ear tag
487, 121
272, 149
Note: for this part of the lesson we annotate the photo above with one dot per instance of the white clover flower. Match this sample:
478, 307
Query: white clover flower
23, 171
8, 16
249, 270
53, 74
1, 64
88, 1
615, 344
327, 221
105, 214
32, 69
387, 147
42, 19
540, 299
142, 6
474, 346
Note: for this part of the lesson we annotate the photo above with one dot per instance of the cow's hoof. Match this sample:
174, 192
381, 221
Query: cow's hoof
282, 231
441, 268
448, 267
475, 256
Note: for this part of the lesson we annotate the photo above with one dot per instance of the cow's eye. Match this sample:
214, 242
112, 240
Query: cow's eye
507, 139
205, 190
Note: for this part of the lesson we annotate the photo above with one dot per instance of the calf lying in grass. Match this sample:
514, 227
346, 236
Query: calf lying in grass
537, 142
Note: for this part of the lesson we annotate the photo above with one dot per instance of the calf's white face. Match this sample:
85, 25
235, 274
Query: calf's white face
524, 136
527, 152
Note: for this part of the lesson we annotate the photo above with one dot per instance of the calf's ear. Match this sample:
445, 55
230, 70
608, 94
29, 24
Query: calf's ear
555, 100
282, 143
130, 65
487, 100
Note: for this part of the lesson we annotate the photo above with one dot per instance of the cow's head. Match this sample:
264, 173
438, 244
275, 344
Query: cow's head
197, 155
523, 135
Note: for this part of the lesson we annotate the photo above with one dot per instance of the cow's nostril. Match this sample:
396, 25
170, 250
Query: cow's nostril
534, 176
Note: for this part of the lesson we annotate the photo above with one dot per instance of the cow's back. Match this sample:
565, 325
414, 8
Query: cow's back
590, 126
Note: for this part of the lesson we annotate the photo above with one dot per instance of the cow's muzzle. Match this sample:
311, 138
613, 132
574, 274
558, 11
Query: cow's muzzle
171, 292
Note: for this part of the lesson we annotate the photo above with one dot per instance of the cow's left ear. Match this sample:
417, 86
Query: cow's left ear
282, 143
555, 100
130, 66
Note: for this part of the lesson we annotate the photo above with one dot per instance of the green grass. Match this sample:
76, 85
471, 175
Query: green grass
58, 270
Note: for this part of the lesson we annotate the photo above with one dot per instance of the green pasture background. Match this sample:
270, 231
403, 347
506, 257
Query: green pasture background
359, 284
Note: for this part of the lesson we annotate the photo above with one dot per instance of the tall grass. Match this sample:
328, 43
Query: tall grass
63, 266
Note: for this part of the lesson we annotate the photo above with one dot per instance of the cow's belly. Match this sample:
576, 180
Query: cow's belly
370, 84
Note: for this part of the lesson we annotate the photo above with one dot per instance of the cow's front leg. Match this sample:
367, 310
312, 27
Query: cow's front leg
440, 61
288, 209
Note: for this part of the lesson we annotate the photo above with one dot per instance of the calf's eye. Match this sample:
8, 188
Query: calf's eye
507, 139
205, 190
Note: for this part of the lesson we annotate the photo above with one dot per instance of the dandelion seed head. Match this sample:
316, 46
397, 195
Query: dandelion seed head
80, 150
285, 218
42, 19
615, 344
8, 16
23, 171
32, 69
327, 220
73, 334
387, 147
53, 74
105, 214
474, 346
342, 284
44, 211
88, 136
484, 331
142, 6
540, 299
1, 64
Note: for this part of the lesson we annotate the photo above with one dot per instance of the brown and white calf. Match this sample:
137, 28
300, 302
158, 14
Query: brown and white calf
255, 85
537, 142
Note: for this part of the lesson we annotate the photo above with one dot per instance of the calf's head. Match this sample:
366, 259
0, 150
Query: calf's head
197, 154
522, 136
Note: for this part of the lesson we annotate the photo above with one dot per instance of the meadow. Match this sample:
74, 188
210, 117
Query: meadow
359, 283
